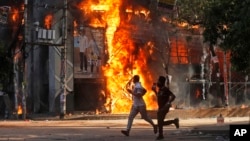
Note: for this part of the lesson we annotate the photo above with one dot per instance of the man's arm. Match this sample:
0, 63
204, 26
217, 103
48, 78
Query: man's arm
140, 92
137, 92
130, 91
171, 97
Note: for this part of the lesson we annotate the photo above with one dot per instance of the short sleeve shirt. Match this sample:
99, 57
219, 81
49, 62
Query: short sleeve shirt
83, 43
137, 101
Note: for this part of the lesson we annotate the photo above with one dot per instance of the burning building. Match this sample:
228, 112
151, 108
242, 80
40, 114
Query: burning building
136, 42
125, 38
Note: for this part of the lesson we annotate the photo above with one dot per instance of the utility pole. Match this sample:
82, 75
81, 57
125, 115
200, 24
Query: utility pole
64, 63
24, 110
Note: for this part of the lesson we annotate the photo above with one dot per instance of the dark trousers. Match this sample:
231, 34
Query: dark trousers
160, 119
83, 59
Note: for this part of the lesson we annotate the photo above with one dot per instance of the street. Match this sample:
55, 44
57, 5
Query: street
200, 129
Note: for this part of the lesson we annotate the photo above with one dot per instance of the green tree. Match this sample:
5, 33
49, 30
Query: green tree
227, 22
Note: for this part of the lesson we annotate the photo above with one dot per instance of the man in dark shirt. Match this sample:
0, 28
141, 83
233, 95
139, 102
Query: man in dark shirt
164, 99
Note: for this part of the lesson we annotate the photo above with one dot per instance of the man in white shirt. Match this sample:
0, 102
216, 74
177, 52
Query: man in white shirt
83, 45
138, 106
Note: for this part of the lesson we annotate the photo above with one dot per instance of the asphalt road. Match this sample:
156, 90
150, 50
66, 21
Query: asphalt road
204, 129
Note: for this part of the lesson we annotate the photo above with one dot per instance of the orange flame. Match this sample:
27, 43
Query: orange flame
125, 57
197, 93
19, 110
15, 16
48, 21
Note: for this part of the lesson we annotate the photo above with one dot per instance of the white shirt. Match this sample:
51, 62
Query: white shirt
137, 101
83, 43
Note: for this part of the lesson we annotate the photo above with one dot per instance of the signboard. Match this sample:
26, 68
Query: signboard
94, 53
168, 4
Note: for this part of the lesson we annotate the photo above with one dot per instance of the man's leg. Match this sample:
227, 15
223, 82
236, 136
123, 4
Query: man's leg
81, 61
175, 122
133, 112
160, 119
85, 61
144, 115
91, 66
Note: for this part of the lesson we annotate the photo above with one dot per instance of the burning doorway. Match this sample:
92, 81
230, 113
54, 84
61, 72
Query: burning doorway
130, 41
89, 57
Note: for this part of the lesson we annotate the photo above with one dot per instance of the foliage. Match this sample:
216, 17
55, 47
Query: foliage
227, 22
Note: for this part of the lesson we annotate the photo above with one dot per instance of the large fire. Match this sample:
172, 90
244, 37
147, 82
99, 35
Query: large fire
126, 58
